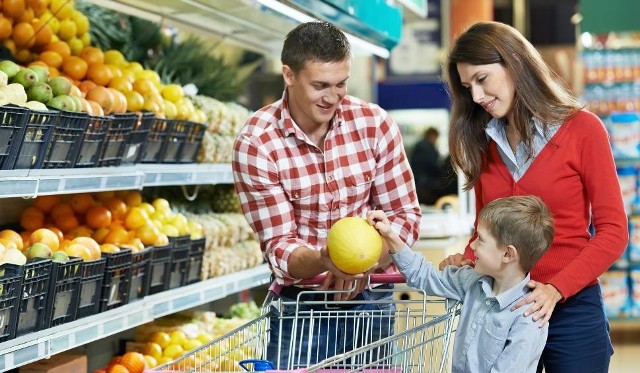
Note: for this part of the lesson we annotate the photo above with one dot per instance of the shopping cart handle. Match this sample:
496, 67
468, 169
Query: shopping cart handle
375, 278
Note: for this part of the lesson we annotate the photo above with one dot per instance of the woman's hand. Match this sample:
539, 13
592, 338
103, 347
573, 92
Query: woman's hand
544, 298
457, 260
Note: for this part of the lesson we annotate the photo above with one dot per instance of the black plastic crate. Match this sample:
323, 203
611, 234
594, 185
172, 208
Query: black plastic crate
115, 141
156, 141
90, 149
64, 292
117, 280
10, 281
179, 261
32, 313
138, 138
160, 268
192, 143
196, 256
35, 141
66, 140
140, 271
13, 121
177, 135
91, 287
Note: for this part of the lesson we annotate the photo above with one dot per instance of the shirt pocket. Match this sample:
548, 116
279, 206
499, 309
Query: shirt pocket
358, 186
303, 194
491, 344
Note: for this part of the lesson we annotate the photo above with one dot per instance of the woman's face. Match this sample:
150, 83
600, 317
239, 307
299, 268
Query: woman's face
490, 87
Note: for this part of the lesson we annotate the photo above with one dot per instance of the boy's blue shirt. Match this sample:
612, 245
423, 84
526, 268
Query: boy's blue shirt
489, 336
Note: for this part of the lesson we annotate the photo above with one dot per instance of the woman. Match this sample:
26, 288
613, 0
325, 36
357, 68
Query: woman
515, 130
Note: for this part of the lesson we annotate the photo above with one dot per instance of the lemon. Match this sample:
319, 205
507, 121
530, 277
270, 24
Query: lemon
173, 351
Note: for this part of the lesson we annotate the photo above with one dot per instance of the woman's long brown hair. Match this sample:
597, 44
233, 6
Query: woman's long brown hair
538, 92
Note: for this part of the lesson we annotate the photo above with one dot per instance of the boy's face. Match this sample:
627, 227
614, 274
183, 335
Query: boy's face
487, 252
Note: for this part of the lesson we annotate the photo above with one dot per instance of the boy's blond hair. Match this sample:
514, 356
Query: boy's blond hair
522, 221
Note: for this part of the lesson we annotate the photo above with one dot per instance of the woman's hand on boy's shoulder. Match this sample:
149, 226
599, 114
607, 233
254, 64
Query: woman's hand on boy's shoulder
544, 298
457, 260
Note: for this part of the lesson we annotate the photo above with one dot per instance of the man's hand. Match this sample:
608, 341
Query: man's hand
544, 298
340, 281
457, 260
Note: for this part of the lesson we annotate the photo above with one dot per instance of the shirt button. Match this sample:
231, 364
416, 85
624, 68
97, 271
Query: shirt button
488, 302
330, 177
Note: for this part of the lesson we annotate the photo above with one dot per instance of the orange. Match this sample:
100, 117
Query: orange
66, 222
61, 208
96, 109
92, 55
79, 231
60, 47
86, 85
13, 8
23, 35
5, 27
133, 198
117, 368
43, 32
99, 234
90, 244
98, 217
145, 86
51, 58
135, 218
100, 73
82, 202
148, 234
31, 219
38, 6
24, 56
109, 248
117, 235
13, 236
27, 16
134, 362
102, 96
75, 67
26, 236
117, 206
119, 101
57, 231
78, 250
45, 236
46, 203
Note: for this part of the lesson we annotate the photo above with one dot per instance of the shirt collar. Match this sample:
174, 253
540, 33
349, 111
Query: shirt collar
506, 298
289, 125
494, 128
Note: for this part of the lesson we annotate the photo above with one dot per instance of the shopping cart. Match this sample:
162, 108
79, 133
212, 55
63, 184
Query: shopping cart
402, 330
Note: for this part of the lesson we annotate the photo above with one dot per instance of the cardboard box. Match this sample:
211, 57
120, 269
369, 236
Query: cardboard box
61, 363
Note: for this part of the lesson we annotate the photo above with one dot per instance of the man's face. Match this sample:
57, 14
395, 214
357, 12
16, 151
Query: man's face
316, 91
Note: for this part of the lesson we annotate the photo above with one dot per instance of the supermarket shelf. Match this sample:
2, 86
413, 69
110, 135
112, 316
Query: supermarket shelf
43, 344
32, 183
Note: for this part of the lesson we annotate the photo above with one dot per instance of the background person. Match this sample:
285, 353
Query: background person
425, 165
514, 130
513, 233
307, 160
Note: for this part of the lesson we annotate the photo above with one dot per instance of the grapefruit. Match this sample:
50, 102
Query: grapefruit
353, 245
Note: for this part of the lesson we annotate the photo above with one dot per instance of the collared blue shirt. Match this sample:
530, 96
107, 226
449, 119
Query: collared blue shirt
519, 162
489, 336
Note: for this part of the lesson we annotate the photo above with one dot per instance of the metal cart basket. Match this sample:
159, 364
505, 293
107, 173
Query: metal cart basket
395, 333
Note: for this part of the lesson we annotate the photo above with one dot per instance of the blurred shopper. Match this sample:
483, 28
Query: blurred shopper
307, 160
515, 130
426, 166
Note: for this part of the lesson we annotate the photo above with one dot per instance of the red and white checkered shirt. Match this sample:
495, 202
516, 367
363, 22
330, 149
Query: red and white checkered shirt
291, 191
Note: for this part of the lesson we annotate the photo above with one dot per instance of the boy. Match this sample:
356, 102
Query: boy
513, 233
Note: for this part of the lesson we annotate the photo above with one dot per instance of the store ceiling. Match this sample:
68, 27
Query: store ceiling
246, 23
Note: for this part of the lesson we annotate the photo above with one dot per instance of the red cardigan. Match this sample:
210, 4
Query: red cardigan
575, 175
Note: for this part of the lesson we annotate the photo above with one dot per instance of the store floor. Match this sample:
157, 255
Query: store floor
626, 357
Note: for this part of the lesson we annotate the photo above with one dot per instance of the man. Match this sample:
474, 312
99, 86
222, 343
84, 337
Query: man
307, 160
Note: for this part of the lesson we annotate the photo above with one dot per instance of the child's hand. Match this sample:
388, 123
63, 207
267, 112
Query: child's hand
378, 219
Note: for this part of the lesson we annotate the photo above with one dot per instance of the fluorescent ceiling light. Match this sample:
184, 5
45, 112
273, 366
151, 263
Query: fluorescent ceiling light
302, 18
